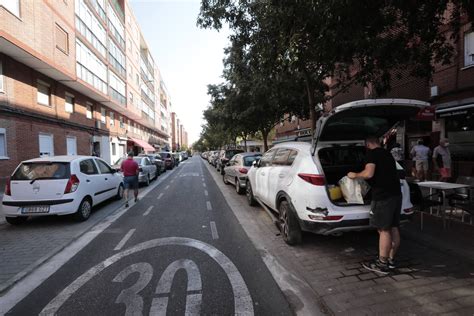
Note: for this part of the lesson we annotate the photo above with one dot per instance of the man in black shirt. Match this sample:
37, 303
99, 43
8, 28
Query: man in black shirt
381, 173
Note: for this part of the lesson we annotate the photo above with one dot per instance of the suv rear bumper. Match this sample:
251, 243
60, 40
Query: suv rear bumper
328, 228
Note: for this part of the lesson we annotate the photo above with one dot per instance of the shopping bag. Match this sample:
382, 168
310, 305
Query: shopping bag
353, 190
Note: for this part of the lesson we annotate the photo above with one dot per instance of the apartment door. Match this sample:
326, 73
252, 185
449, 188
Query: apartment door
46, 145
71, 145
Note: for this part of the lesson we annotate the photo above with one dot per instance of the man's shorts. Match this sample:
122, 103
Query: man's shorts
385, 214
422, 165
130, 182
445, 172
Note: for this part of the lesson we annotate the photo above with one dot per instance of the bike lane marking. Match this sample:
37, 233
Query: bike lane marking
214, 233
243, 304
125, 239
148, 210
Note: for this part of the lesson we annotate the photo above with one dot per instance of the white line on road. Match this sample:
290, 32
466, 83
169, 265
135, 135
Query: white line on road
209, 206
172, 181
206, 193
148, 211
214, 233
125, 239
202, 179
204, 185
167, 187
159, 196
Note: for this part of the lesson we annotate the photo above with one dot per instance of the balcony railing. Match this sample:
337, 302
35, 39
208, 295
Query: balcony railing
147, 99
117, 96
89, 77
117, 66
87, 33
99, 9
116, 35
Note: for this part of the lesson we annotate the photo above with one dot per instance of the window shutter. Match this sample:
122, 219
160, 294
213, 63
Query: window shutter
62, 39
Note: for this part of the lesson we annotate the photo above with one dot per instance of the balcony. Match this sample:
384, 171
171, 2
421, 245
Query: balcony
116, 35
89, 77
116, 65
87, 33
99, 9
117, 96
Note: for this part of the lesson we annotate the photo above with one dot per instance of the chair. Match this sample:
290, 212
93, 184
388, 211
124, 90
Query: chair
423, 203
462, 198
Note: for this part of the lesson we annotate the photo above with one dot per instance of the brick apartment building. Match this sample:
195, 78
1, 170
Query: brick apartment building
179, 136
450, 92
76, 77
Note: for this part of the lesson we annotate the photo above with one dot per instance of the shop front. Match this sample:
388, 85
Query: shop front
138, 146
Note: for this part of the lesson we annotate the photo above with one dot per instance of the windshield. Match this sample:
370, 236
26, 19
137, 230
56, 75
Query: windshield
248, 160
165, 155
231, 153
42, 170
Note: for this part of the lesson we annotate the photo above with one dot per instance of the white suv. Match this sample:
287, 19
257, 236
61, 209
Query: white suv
59, 185
293, 179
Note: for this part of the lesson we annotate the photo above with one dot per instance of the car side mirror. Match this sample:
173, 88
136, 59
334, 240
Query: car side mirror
256, 163
114, 171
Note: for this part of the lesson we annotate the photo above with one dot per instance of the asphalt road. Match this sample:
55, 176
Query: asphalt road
179, 250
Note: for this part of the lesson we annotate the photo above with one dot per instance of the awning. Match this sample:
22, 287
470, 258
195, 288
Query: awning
455, 110
143, 144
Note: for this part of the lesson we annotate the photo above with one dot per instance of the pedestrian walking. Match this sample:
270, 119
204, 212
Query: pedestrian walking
381, 173
442, 160
130, 171
397, 153
421, 154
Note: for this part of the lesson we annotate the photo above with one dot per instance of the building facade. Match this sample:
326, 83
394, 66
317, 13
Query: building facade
76, 77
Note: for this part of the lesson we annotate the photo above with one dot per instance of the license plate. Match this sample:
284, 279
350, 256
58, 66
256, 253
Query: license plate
35, 209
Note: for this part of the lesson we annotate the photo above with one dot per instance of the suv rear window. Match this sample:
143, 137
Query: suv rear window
248, 160
42, 170
165, 155
337, 156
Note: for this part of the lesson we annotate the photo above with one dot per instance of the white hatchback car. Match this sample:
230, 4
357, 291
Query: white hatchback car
293, 179
59, 185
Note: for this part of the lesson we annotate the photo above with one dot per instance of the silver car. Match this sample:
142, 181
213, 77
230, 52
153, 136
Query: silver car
236, 170
148, 170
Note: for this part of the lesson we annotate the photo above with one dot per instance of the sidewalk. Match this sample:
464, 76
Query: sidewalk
430, 279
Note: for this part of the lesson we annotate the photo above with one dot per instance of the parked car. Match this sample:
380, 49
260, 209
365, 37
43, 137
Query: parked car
59, 185
213, 157
293, 179
204, 155
148, 171
237, 168
184, 154
169, 159
157, 161
176, 158
224, 157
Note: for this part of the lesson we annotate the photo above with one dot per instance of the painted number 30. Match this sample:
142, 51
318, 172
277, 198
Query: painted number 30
134, 302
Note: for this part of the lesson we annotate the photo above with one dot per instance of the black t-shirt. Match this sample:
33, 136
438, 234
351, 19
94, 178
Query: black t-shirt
385, 182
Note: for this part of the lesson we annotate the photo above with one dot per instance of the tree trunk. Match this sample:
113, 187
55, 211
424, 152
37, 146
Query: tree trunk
245, 142
265, 142
312, 110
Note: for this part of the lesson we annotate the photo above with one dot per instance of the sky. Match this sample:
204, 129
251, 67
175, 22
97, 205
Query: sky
189, 58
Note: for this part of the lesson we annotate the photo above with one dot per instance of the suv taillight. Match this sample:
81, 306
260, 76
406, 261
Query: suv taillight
314, 179
8, 187
243, 170
72, 184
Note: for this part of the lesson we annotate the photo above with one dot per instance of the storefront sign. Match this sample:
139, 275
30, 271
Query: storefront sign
304, 132
426, 114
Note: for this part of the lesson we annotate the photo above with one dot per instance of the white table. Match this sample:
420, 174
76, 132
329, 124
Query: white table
443, 187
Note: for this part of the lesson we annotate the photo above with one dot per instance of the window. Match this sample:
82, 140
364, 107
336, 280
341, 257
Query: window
267, 158
129, 126
138, 80
71, 145
11, 5
69, 104
89, 67
121, 122
112, 119
3, 143
281, 157
46, 145
469, 49
43, 94
88, 167
103, 116
89, 111
90, 27
292, 157
131, 97
114, 150
1, 77
62, 39
103, 167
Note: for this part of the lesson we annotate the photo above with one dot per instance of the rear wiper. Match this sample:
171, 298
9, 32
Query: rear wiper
41, 178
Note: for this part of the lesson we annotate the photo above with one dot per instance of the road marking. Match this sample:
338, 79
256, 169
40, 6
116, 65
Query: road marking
172, 181
243, 304
204, 185
206, 193
202, 179
148, 211
159, 196
209, 206
214, 233
124, 239
167, 187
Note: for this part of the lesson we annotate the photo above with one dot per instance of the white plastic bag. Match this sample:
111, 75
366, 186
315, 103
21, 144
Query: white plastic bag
353, 190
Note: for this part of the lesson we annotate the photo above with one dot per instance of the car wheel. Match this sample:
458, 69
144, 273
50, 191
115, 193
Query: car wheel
224, 179
147, 183
238, 189
119, 195
16, 220
289, 226
250, 198
84, 210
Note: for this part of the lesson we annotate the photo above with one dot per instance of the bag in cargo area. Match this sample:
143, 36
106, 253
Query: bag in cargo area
353, 190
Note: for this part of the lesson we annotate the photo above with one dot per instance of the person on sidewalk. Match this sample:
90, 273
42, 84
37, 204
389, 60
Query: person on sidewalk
442, 160
381, 173
397, 153
130, 171
421, 155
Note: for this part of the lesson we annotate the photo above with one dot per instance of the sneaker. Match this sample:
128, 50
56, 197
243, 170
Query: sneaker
377, 266
391, 264
136, 200
126, 204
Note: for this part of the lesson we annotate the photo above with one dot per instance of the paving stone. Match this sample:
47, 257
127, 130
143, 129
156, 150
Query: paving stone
348, 279
402, 277
367, 276
466, 300
350, 272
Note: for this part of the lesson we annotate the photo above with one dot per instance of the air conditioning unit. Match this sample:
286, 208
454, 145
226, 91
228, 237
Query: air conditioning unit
434, 91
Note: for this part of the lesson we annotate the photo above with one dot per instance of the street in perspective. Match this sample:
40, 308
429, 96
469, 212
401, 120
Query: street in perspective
236, 157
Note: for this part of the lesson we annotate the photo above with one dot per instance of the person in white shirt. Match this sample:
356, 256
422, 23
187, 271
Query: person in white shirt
442, 160
421, 155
